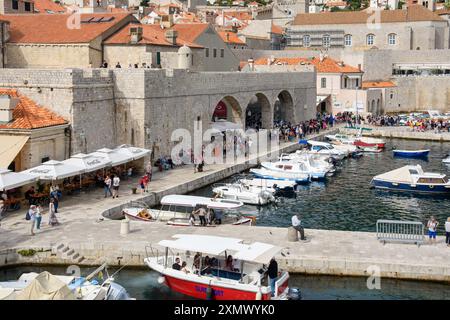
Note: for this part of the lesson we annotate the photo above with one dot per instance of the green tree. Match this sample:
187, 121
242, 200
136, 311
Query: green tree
447, 4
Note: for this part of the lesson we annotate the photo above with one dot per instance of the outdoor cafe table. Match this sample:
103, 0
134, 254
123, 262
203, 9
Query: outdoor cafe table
40, 198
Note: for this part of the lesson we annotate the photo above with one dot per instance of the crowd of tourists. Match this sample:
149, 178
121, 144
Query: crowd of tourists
417, 123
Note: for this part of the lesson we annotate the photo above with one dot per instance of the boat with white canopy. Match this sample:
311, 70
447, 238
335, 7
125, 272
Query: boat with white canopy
245, 193
11, 180
209, 276
175, 210
296, 167
265, 173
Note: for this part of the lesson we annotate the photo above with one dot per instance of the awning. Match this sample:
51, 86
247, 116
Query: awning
54, 170
88, 162
223, 125
10, 147
134, 152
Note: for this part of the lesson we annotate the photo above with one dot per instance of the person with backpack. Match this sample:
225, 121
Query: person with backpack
31, 216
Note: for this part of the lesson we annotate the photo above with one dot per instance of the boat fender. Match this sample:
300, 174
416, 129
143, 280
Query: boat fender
161, 280
258, 295
209, 293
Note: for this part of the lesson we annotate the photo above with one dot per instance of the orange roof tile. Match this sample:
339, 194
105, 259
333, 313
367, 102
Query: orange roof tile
377, 84
152, 34
53, 28
190, 31
29, 115
276, 29
230, 37
241, 15
43, 5
327, 65
413, 13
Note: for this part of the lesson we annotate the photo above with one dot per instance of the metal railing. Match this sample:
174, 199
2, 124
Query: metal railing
400, 231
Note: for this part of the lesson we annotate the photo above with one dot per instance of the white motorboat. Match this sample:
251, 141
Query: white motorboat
45, 286
345, 146
311, 161
265, 173
245, 193
208, 276
319, 147
175, 210
298, 167
343, 138
268, 184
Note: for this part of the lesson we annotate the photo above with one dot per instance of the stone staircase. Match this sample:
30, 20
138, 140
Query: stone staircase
64, 252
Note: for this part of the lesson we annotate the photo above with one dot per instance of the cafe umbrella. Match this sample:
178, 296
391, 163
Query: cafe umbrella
10, 180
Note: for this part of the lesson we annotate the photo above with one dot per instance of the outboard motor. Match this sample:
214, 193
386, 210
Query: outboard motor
294, 294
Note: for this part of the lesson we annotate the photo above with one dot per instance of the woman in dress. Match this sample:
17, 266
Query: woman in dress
53, 221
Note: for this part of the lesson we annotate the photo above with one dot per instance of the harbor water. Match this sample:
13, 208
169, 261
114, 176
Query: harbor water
345, 201
142, 284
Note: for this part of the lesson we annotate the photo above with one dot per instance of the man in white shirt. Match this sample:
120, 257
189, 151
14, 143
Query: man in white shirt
297, 224
116, 184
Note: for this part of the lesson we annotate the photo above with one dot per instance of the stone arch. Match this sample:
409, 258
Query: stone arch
372, 107
283, 107
258, 113
378, 106
228, 108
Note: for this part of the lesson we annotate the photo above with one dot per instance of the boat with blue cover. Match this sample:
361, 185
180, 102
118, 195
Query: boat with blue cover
411, 153
412, 178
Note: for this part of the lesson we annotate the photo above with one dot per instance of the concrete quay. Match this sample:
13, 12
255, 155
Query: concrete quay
399, 132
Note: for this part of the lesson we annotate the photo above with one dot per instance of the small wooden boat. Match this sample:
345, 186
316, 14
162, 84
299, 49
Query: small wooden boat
411, 153
138, 214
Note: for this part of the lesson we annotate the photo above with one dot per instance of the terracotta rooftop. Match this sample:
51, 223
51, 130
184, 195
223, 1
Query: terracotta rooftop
377, 84
240, 15
327, 65
43, 5
413, 13
53, 28
28, 114
230, 37
276, 29
152, 34
190, 31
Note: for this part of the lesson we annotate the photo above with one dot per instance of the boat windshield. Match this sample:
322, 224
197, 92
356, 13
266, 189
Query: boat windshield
431, 180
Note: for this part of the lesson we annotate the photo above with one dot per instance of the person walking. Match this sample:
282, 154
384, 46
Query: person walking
116, 184
297, 224
447, 232
107, 186
52, 220
142, 184
149, 171
55, 196
272, 272
432, 229
32, 217
38, 217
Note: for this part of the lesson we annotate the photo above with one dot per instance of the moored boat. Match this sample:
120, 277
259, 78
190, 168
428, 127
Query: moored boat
412, 178
411, 153
265, 173
208, 276
245, 193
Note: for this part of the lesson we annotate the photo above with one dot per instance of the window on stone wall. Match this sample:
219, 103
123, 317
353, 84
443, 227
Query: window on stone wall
370, 39
45, 159
222, 53
306, 40
214, 53
348, 40
15, 4
323, 82
326, 40
27, 6
392, 39
207, 52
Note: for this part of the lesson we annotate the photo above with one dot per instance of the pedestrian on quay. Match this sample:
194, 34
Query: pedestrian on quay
149, 171
52, 220
31, 216
432, 229
142, 184
447, 232
38, 217
297, 224
116, 185
107, 186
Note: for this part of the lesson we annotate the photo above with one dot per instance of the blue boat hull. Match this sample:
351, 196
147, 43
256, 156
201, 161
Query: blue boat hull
420, 188
263, 176
411, 154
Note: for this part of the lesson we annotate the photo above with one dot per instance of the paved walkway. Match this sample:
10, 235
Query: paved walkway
402, 132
